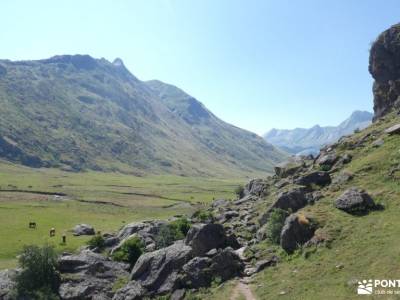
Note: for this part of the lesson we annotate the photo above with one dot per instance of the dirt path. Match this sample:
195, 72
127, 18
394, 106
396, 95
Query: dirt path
242, 289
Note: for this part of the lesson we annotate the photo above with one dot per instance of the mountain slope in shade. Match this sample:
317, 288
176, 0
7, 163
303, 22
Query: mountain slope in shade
305, 141
77, 112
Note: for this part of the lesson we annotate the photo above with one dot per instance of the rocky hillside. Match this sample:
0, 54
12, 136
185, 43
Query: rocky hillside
77, 112
302, 141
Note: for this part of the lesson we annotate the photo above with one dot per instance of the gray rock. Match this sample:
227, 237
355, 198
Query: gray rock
317, 177
296, 231
261, 265
342, 177
395, 129
132, 291
288, 168
158, 271
83, 229
7, 283
293, 200
327, 159
130, 229
378, 143
178, 295
219, 202
204, 237
257, 187
92, 276
355, 201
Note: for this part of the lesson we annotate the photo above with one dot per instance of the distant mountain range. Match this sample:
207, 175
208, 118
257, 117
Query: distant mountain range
308, 141
76, 112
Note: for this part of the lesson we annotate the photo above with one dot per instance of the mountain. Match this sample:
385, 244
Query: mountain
76, 112
305, 141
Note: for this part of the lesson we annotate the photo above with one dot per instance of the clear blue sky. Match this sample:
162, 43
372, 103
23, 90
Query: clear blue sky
256, 64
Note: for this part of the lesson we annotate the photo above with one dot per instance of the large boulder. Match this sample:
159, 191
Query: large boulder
158, 271
201, 271
204, 237
355, 201
327, 160
83, 229
291, 200
320, 178
89, 275
395, 129
132, 291
288, 168
297, 231
384, 66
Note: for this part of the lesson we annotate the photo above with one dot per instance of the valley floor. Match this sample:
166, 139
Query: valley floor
107, 201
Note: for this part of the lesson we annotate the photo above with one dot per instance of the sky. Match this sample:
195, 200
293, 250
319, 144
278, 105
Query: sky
255, 64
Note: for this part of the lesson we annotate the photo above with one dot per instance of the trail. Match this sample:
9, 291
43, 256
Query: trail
242, 288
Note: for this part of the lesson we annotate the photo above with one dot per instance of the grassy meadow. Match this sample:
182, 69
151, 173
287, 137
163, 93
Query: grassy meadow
107, 201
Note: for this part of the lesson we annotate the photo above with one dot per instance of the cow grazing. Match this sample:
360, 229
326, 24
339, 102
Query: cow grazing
32, 225
52, 232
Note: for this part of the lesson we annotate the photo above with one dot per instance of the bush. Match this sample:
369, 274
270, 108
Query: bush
169, 233
203, 216
130, 251
39, 277
239, 190
181, 225
275, 223
96, 242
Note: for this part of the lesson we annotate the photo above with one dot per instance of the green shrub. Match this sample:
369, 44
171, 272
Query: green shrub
39, 278
96, 242
239, 190
325, 168
203, 216
130, 251
275, 223
181, 225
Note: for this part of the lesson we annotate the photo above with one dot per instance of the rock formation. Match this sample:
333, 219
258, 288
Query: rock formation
384, 66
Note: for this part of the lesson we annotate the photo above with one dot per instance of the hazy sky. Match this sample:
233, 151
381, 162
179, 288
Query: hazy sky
256, 64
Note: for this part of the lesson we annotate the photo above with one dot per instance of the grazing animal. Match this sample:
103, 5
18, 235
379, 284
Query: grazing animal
52, 232
32, 225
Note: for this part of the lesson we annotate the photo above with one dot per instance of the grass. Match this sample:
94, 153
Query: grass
362, 247
123, 199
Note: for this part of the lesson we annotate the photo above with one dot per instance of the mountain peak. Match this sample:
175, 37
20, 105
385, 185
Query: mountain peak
118, 62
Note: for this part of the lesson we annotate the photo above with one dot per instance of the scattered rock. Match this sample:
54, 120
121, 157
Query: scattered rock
296, 231
355, 201
83, 229
327, 160
178, 295
132, 291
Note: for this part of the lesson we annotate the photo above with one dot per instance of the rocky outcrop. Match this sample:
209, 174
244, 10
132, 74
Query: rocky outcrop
320, 178
89, 275
158, 271
297, 231
355, 201
384, 66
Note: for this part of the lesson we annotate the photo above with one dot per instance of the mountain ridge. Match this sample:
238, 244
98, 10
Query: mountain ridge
77, 112
309, 140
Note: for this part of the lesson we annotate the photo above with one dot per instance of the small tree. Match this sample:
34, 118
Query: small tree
275, 223
39, 277
130, 251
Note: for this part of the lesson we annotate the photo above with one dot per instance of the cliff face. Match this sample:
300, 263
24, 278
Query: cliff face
384, 66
